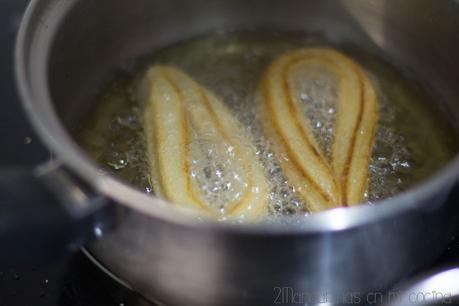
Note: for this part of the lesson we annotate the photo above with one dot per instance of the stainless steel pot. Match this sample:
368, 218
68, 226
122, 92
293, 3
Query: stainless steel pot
440, 288
66, 52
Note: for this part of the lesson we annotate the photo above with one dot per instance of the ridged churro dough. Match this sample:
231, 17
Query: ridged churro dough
179, 114
321, 185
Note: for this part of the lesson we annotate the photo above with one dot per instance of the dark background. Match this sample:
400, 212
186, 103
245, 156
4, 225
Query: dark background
73, 280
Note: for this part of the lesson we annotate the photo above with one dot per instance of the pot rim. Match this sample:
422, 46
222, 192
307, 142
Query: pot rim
55, 137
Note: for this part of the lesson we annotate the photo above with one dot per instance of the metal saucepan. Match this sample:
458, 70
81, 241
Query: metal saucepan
66, 52
439, 288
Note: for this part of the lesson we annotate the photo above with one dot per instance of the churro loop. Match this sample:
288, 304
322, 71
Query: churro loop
176, 107
320, 185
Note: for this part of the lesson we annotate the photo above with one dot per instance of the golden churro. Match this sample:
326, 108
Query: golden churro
178, 109
320, 185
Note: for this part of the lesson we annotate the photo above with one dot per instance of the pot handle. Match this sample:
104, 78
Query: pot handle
46, 212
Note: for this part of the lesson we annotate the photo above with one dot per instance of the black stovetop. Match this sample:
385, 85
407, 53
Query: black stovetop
75, 280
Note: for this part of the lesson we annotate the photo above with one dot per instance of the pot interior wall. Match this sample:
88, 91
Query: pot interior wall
98, 37
95, 38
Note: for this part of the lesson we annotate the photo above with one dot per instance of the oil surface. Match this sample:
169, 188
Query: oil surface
413, 139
